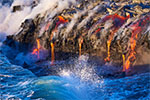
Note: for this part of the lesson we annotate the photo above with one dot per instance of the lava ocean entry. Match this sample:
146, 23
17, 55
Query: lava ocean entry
42, 36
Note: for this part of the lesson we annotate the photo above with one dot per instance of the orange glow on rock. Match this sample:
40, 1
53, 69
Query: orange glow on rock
116, 18
136, 30
108, 45
132, 54
80, 46
52, 54
37, 50
108, 50
123, 59
60, 21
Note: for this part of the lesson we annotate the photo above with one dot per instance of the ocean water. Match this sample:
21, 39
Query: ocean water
18, 83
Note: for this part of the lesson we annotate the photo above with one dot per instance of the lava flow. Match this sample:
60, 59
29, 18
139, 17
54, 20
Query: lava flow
61, 21
136, 30
109, 43
131, 57
37, 50
80, 45
52, 54
118, 21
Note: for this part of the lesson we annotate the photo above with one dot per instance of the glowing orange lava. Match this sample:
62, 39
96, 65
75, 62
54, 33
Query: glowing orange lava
116, 18
123, 58
52, 50
52, 54
121, 19
80, 46
37, 50
108, 50
136, 30
131, 56
60, 21
133, 40
108, 45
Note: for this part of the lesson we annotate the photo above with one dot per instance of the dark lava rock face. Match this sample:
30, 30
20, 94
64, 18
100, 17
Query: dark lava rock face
116, 32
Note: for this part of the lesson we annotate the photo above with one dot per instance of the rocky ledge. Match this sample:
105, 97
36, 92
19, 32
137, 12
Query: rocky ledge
118, 32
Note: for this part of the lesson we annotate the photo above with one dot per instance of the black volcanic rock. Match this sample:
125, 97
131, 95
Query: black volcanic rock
101, 19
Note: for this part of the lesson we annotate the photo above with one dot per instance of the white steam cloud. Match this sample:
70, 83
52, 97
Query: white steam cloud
10, 21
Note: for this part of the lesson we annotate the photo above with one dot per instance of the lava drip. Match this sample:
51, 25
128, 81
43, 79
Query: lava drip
60, 21
132, 57
109, 43
118, 21
37, 50
136, 30
52, 48
123, 59
80, 46
52, 53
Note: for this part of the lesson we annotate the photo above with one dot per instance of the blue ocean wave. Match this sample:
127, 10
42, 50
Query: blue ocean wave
19, 83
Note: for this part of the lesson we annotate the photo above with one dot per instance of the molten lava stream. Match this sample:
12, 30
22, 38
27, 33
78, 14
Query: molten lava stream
115, 27
123, 58
108, 51
108, 45
52, 54
38, 47
80, 46
61, 21
131, 56
37, 50
52, 49
137, 29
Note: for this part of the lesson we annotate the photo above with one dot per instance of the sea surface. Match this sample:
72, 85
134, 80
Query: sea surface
18, 83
